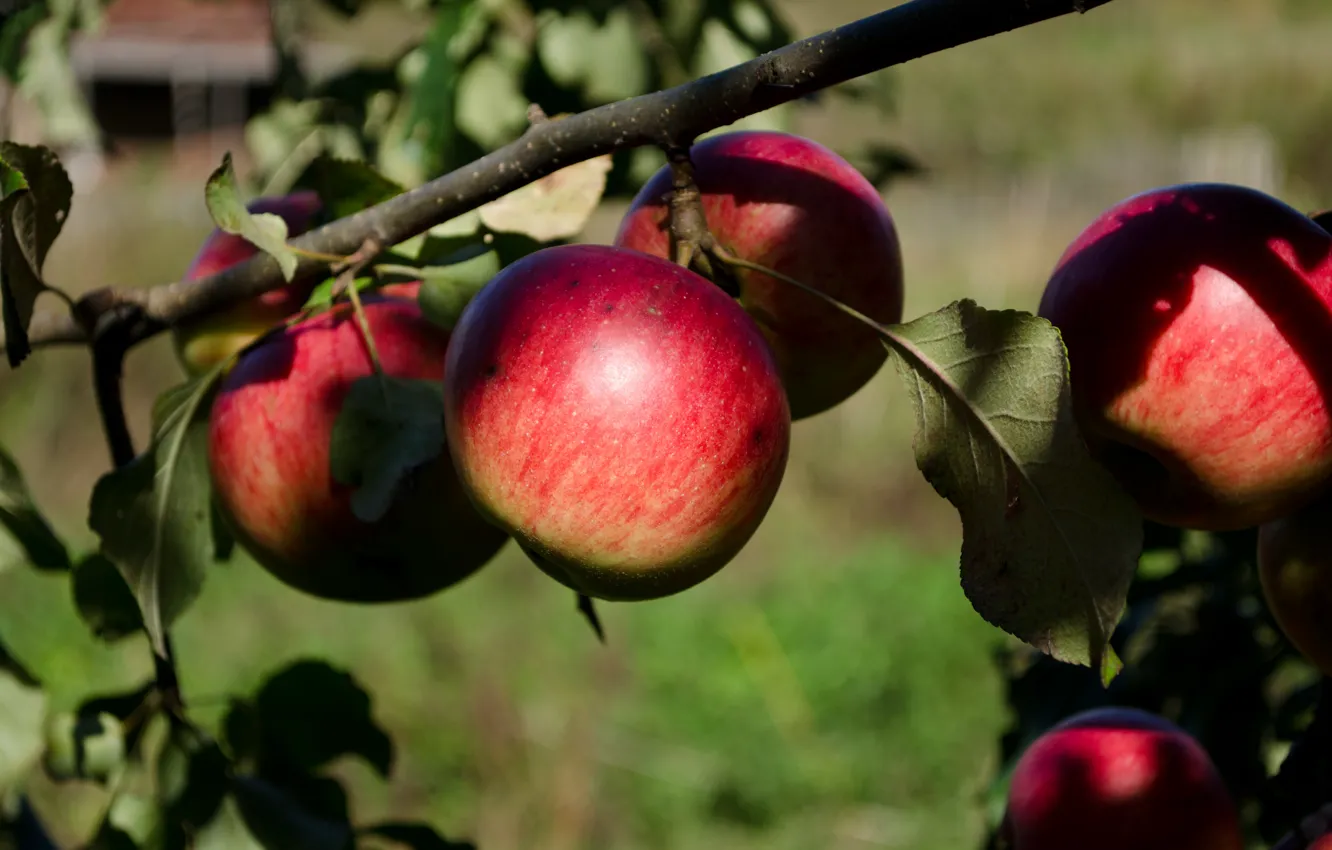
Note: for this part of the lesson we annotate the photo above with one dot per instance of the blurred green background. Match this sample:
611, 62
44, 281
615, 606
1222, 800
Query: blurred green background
832, 688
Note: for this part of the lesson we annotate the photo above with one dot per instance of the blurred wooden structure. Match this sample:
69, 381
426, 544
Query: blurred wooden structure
171, 68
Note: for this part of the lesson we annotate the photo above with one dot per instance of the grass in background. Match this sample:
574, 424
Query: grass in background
770, 707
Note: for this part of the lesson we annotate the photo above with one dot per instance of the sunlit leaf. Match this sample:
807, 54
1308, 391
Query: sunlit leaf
266, 231
154, 516
1050, 542
557, 206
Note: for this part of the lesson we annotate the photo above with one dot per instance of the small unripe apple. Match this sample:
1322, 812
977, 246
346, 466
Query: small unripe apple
202, 344
269, 438
1197, 320
1117, 778
619, 415
791, 205
1295, 570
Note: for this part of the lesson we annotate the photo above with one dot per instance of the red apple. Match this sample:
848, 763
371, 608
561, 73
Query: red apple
792, 205
203, 344
1295, 570
618, 414
1118, 778
268, 453
1197, 320
1323, 842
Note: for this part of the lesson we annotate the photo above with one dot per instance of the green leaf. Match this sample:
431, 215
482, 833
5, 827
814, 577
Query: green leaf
280, 823
104, 600
192, 779
85, 746
13, 33
562, 45
617, 63
431, 96
491, 107
346, 186
47, 78
416, 836
139, 818
1050, 542
266, 231
122, 706
23, 706
226, 831
557, 206
154, 516
42, 547
447, 289
304, 717
386, 428
35, 195
110, 837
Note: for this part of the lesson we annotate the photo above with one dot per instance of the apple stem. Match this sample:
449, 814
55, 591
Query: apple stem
692, 243
364, 324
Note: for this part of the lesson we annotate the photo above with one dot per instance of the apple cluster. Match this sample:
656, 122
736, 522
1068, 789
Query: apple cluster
619, 416
1197, 320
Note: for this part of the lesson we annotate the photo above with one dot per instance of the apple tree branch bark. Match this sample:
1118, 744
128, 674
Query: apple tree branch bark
670, 119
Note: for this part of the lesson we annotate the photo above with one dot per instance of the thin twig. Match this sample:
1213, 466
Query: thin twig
668, 118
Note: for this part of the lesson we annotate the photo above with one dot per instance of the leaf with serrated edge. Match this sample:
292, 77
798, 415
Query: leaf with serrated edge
386, 428
154, 515
266, 231
1050, 542
35, 196
555, 207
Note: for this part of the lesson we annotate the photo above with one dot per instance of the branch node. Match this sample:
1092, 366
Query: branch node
536, 115
692, 243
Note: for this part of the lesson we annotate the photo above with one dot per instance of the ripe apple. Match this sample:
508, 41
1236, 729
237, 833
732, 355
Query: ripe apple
203, 344
1295, 570
1115, 778
268, 453
619, 415
792, 205
1323, 842
1197, 320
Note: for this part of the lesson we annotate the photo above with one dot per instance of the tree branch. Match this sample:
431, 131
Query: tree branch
666, 119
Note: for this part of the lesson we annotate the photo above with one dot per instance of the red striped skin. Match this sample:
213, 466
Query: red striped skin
268, 453
1198, 321
621, 416
202, 345
793, 206
1116, 778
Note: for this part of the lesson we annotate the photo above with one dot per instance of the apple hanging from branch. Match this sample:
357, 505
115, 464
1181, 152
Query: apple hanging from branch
271, 430
1115, 778
1197, 319
619, 415
789, 204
